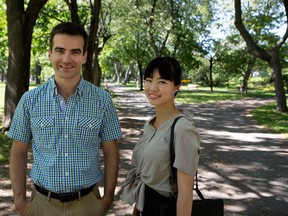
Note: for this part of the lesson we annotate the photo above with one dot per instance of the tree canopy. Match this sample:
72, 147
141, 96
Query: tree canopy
124, 35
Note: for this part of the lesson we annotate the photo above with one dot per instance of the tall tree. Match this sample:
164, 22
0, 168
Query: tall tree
271, 56
21, 19
89, 73
98, 31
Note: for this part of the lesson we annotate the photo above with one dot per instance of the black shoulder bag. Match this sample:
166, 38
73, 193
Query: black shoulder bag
201, 207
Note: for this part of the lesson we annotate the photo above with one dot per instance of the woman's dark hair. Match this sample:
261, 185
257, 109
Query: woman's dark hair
68, 28
168, 67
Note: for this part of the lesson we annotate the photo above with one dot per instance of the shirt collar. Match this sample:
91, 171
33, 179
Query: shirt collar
79, 90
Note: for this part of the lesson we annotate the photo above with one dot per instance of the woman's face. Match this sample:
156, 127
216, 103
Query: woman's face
159, 91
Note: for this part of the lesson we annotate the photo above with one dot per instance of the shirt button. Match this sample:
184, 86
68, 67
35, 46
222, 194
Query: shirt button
66, 118
66, 154
66, 136
90, 125
67, 173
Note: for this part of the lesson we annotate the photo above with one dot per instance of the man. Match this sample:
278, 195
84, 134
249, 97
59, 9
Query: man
66, 119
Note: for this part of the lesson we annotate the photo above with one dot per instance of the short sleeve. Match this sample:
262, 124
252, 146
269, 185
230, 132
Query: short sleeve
20, 127
187, 147
111, 127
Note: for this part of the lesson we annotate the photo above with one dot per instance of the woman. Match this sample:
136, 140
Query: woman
147, 183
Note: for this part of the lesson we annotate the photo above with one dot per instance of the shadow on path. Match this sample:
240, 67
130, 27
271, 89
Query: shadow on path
241, 162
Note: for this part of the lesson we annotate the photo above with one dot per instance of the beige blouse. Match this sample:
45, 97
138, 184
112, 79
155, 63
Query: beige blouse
151, 159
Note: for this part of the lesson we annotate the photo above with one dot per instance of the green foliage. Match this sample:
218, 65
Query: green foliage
263, 16
53, 12
2, 95
191, 38
285, 81
259, 81
3, 39
5, 145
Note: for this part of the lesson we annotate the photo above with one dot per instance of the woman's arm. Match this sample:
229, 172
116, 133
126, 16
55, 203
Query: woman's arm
185, 193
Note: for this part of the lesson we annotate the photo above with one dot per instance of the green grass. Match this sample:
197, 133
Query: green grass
267, 116
204, 95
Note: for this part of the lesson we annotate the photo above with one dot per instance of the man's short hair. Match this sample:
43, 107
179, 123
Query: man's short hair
68, 28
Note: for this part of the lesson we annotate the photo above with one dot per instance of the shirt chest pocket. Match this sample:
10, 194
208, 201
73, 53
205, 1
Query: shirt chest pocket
43, 130
88, 130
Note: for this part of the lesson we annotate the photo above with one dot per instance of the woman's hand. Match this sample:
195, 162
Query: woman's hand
136, 212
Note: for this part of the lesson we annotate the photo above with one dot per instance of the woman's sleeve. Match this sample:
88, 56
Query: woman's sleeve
187, 147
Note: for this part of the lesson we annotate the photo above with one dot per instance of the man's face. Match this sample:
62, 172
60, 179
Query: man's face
67, 56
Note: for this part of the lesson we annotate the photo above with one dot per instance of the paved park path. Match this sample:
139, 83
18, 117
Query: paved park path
241, 162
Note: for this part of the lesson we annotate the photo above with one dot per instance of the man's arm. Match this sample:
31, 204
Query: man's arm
18, 173
111, 163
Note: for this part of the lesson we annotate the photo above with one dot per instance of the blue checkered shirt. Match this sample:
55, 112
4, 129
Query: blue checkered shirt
65, 144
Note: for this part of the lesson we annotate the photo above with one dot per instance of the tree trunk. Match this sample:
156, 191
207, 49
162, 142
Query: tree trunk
140, 75
278, 81
129, 71
158, 46
88, 70
211, 73
38, 70
20, 29
250, 66
271, 56
118, 72
97, 71
73, 8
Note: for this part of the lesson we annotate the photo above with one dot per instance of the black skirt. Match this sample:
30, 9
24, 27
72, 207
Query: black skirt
157, 204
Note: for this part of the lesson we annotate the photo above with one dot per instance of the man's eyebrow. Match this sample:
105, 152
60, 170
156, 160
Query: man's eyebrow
58, 48
73, 50
77, 50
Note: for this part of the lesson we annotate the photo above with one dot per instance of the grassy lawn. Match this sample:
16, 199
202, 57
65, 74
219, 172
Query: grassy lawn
264, 115
203, 95
267, 116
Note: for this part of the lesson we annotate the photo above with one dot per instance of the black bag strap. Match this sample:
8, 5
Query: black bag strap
173, 174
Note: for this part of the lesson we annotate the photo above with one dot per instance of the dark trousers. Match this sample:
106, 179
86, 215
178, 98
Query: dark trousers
157, 204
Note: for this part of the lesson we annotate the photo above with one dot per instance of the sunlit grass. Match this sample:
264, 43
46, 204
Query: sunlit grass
267, 116
204, 95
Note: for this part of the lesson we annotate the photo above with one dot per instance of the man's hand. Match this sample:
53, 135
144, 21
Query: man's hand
106, 202
111, 163
18, 172
22, 207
